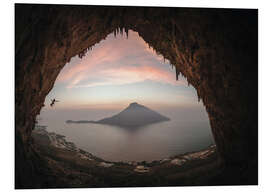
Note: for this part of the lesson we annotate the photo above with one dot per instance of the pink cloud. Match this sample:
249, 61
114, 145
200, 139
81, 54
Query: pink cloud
132, 74
109, 60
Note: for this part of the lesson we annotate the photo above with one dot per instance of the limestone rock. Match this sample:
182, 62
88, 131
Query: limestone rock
178, 162
141, 169
105, 165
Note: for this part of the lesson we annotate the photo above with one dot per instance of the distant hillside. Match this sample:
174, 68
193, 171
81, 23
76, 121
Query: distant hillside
135, 115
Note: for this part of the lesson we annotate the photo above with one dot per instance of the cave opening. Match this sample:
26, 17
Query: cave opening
215, 49
104, 80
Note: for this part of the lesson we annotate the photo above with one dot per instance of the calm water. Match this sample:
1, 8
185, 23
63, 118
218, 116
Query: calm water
148, 143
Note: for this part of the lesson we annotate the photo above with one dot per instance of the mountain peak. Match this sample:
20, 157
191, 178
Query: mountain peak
135, 106
134, 103
135, 115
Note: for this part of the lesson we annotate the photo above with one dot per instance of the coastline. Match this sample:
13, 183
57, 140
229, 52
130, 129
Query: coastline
76, 168
45, 138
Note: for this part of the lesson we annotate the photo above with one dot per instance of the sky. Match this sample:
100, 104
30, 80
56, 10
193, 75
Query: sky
116, 72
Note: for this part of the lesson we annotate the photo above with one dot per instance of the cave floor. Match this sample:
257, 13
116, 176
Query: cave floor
66, 168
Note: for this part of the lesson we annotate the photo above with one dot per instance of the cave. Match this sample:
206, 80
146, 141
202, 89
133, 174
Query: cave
216, 50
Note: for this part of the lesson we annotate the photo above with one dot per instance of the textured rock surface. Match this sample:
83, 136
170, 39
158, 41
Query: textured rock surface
216, 50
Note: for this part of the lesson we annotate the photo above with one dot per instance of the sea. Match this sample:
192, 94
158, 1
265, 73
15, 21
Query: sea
187, 131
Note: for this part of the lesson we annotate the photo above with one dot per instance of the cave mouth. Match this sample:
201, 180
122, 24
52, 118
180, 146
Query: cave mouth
215, 49
117, 71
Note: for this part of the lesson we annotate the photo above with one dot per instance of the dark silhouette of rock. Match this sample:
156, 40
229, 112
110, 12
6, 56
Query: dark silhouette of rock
215, 49
135, 115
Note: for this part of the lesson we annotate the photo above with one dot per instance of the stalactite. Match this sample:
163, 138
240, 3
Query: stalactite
121, 31
177, 72
171, 65
199, 97
126, 30
82, 53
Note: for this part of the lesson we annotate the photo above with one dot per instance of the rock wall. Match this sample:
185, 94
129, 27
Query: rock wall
215, 49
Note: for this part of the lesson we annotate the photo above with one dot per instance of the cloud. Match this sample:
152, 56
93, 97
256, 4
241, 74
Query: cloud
117, 61
132, 74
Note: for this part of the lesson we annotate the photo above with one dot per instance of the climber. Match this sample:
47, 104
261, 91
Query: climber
53, 101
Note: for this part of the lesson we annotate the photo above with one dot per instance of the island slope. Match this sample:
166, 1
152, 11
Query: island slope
135, 115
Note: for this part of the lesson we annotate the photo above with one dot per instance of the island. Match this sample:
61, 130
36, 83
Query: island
135, 115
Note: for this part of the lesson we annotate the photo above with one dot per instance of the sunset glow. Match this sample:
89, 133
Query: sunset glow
118, 71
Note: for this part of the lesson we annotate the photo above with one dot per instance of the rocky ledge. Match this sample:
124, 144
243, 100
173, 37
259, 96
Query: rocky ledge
43, 137
74, 167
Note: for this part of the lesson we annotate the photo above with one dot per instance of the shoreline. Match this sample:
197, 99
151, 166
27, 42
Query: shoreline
69, 166
59, 141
